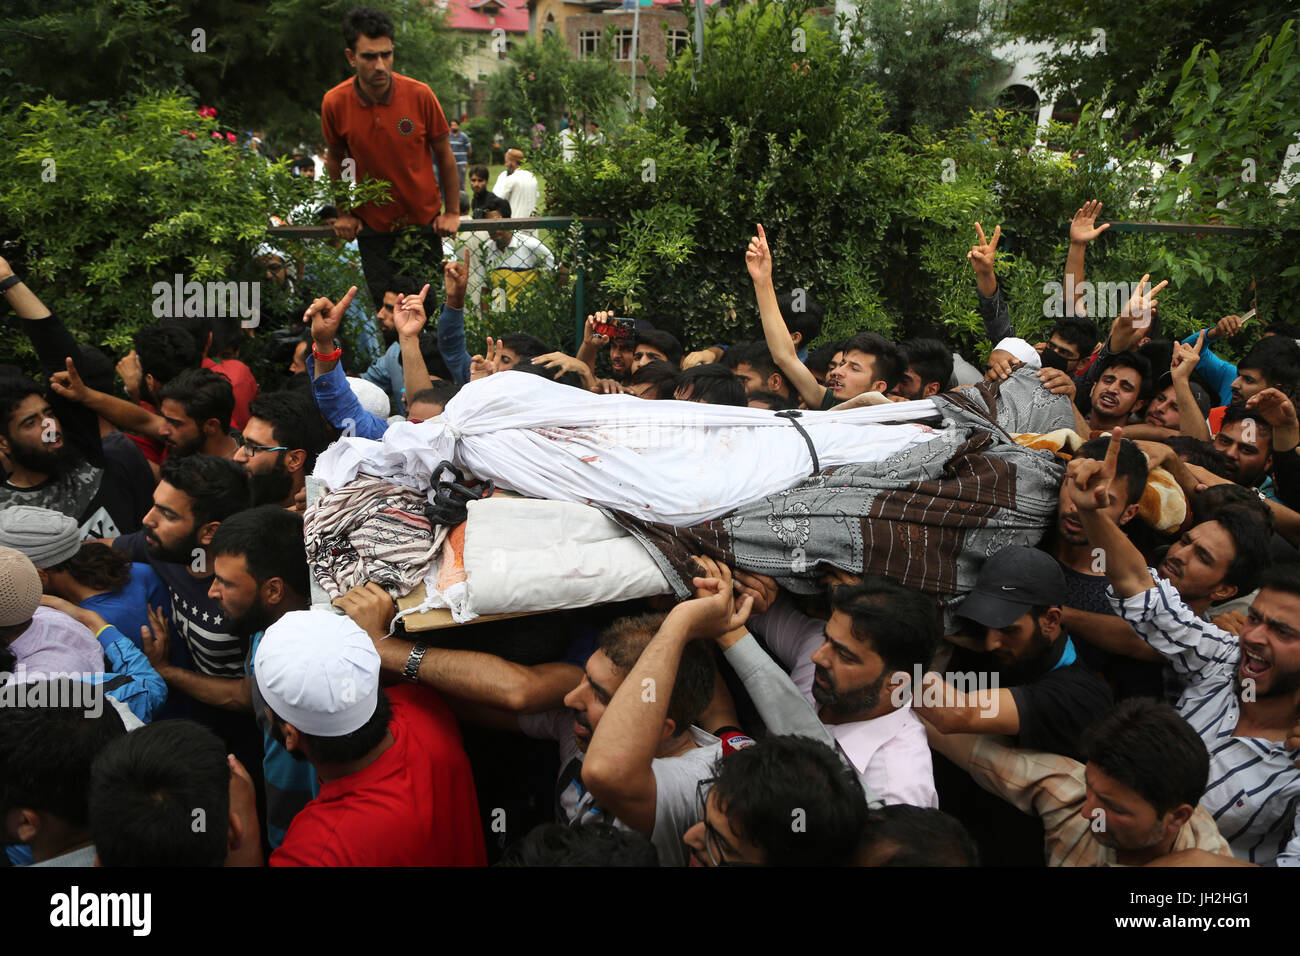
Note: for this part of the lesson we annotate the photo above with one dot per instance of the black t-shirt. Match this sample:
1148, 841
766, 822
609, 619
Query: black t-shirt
1127, 676
196, 618
1058, 703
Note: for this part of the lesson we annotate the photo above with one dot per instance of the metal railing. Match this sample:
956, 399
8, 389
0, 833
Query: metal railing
486, 225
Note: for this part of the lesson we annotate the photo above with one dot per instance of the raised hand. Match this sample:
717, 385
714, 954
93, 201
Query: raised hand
1226, 327
68, 384
481, 366
347, 226
758, 257
589, 329
455, 279
408, 314
760, 587
1185, 358
1137, 312
370, 607
131, 373
982, 256
1000, 369
714, 612
325, 317
1081, 227
1089, 480
1274, 407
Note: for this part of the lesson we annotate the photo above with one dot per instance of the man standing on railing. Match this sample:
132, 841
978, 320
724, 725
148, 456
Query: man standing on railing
384, 125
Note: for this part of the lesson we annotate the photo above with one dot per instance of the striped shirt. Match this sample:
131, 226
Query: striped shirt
1254, 787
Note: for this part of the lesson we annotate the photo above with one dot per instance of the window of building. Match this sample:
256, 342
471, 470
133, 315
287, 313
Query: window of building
588, 42
678, 40
623, 44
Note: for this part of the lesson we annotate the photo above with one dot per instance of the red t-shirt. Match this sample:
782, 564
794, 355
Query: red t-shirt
241, 382
391, 139
414, 806
1215, 419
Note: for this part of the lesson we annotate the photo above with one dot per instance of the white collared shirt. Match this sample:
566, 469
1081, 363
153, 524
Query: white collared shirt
890, 753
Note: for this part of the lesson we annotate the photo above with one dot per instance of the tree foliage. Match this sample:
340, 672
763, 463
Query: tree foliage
265, 65
544, 81
1107, 51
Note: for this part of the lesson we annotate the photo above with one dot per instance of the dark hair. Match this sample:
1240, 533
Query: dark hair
1250, 542
1208, 503
491, 202
930, 359
95, 368
1287, 330
773, 400
888, 360
806, 319
1197, 452
902, 624
227, 338
819, 359
1145, 745
902, 835
295, 422
1238, 412
368, 21
14, 390
217, 487
149, 789
1130, 465
1134, 361
165, 351
198, 326
592, 844
1078, 331
440, 393
665, 342
97, 566
1278, 359
524, 345
270, 540
477, 170
1281, 577
754, 354
551, 374
660, 375
46, 751
624, 640
353, 746
434, 363
203, 394
764, 788
712, 385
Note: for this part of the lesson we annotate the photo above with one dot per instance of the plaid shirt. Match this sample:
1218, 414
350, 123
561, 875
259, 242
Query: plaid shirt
1052, 787
1254, 786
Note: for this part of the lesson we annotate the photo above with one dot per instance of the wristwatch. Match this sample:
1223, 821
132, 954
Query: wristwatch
412, 670
9, 283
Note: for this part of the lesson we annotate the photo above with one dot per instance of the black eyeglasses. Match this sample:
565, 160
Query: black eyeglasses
252, 448
712, 836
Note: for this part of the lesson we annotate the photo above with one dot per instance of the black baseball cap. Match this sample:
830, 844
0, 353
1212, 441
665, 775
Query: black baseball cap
1013, 581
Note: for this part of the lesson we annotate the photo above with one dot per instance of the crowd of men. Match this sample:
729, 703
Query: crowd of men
162, 662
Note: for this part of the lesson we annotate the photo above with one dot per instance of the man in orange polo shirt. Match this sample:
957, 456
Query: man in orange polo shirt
391, 127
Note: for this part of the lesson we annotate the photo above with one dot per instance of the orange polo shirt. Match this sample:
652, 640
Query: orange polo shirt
390, 139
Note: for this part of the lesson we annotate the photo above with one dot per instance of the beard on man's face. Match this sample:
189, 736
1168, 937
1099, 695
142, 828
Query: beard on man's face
256, 618
52, 462
271, 487
181, 553
847, 703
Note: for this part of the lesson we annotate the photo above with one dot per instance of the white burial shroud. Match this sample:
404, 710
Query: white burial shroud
676, 462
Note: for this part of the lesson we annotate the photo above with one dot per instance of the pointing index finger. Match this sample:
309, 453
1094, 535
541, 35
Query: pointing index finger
1112, 452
